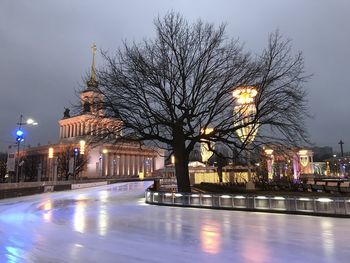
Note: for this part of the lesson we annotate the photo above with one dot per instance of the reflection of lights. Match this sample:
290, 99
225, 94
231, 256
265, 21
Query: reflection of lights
254, 249
206, 196
304, 199
178, 195
103, 195
47, 205
79, 216
13, 255
47, 210
210, 237
47, 216
168, 194
239, 197
327, 237
102, 220
261, 197
225, 196
141, 201
279, 198
194, 195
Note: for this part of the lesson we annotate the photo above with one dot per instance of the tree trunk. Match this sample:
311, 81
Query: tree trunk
220, 173
181, 163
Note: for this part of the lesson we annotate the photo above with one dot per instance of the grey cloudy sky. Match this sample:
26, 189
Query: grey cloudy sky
45, 49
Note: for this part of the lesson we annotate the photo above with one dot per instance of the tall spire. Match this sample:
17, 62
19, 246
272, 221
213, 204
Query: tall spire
92, 82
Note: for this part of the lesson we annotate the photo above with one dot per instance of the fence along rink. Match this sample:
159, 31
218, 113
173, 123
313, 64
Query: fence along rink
337, 206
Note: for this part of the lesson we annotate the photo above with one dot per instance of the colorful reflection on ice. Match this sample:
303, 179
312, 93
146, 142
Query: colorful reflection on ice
79, 214
102, 213
210, 237
12, 254
47, 210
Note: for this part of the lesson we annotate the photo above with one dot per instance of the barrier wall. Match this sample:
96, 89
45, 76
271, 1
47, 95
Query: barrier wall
86, 185
336, 206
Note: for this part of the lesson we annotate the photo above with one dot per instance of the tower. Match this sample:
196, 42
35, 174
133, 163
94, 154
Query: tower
91, 98
90, 121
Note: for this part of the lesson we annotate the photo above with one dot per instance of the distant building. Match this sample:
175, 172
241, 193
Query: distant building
289, 163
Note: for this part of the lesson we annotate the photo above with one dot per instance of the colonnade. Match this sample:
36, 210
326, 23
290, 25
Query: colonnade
81, 129
125, 165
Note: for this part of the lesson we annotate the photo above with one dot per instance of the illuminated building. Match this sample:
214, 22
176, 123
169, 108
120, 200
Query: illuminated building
288, 163
244, 112
99, 159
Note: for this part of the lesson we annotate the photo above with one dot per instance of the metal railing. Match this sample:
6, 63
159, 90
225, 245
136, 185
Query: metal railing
336, 206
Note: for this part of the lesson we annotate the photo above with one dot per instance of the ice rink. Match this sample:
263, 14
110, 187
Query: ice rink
113, 224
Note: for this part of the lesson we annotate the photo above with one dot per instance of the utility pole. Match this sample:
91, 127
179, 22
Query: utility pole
19, 139
341, 148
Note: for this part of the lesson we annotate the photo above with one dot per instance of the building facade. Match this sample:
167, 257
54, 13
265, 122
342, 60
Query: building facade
87, 148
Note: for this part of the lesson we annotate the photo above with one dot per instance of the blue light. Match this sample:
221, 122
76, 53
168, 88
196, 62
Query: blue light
19, 133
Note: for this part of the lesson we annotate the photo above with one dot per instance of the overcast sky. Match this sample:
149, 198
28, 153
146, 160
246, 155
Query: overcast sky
45, 51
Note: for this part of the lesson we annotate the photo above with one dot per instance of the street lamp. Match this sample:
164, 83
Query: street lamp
20, 138
50, 157
245, 111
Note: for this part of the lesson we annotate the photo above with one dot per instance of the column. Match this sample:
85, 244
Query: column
87, 129
126, 165
110, 164
121, 167
132, 165
153, 164
82, 129
117, 164
73, 129
77, 131
104, 164
142, 164
114, 163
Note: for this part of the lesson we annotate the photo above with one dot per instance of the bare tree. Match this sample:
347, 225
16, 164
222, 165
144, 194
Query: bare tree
170, 89
67, 155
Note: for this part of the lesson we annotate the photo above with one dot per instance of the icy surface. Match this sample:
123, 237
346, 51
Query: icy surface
112, 224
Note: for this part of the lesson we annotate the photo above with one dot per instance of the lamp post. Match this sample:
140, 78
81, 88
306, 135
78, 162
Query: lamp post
75, 157
20, 138
245, 111
50, 157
